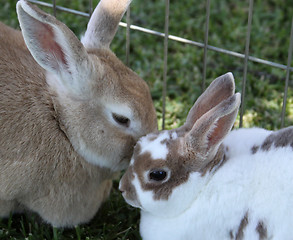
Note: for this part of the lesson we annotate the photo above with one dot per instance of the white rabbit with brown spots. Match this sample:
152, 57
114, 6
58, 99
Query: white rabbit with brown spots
203, 182
70, 114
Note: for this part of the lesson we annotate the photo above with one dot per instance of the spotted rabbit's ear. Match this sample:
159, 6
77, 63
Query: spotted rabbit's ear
220, 89
210, 129
104, 23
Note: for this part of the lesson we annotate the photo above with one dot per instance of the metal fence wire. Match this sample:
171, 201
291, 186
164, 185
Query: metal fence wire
245, 56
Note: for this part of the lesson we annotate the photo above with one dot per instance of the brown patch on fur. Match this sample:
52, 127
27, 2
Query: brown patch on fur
262, 230
225, 159
179, 172
241, 228
266, 146
216, 163
281, 138
126, 185
254, 149
231, 235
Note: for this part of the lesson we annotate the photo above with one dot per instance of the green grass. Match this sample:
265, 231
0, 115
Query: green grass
265, 85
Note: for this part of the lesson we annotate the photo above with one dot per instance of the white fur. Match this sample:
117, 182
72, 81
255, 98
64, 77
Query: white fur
156, 148
98, 159
174, 135
260, 184
241, 141
184, 194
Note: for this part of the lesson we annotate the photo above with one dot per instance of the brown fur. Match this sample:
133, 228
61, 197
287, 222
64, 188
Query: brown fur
40, 169
254, 149
33, 149
262, 230
243, 224
217, 162
127, 186
281, 138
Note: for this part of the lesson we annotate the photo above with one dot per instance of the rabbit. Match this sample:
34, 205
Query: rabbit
204, 181
70, 115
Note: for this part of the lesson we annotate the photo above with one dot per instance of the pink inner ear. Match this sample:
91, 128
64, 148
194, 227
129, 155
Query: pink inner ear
45, 36
219, 132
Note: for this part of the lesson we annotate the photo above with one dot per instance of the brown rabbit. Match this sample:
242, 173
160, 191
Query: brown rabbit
70, 114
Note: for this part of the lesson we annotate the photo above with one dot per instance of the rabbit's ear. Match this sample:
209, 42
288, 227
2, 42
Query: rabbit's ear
210, 129
54, 47
220, 89
104, 22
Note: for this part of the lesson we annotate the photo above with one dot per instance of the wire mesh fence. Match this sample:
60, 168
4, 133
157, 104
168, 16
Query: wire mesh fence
246, 57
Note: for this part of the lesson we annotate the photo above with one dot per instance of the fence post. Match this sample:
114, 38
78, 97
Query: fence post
287, 76
127, 35
206, 38
54, 8
90, 8
246, 62
165, 61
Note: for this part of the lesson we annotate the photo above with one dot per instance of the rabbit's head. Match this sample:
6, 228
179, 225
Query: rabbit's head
101, 105
170, 168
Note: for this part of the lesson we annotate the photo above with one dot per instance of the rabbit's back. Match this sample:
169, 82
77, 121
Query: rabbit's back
20, 95
242, 141
251, 193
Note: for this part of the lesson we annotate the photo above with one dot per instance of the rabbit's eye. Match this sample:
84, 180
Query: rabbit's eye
121, 120
158, 175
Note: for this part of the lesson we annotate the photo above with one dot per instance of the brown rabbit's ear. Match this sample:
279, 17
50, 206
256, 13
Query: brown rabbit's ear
104, 22
220, 89
210, 129
54, 46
